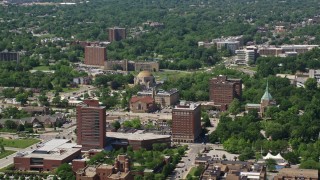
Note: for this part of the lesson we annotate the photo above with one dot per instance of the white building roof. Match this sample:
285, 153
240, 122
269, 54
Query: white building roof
138, 135
56, 149
52, 144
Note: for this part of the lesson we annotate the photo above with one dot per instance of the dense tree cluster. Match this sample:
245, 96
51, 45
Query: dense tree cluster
274, 65
18, 75
195, 86
33, 29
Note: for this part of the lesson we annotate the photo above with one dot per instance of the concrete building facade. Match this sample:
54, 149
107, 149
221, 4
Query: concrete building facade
117, 34
10, 56
95, 55
91, 125
245, 56
146, 66
186, 122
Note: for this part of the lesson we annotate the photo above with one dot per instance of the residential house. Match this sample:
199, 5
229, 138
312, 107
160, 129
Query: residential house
142, 104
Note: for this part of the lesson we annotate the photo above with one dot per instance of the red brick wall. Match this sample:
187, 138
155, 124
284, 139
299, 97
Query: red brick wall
95, 55
223, 91
186, 123
90, 134
91, 102
21, 163
76, 165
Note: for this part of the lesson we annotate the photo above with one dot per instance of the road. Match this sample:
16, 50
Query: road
67, 132
188, 161
4, 162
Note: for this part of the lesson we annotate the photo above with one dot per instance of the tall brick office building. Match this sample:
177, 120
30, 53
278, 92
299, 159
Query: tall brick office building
95, 55
223, 90
186, 122
117, 34
91, 125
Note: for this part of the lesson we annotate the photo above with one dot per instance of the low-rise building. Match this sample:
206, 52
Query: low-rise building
231, 46
125, 65
119, 171
246, 56
279, 29
36, 110
144, 104
231, 43
145, 79
266, 101
38, 121
48, 156
137, 140
292, 174
219, 169
284, 50
82, 80
146, 66
162, 97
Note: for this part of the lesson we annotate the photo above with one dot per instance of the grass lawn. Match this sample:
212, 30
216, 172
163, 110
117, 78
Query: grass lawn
8, 130
19, 143
41, 68
192, 171
169, 74
70, 89
253, 68
6, 153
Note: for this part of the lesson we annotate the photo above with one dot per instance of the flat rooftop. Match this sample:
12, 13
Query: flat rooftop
299, 172
52, 144
56, 149
138, 135
186, 106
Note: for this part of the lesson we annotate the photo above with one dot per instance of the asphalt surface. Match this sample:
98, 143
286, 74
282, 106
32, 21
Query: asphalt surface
66, 133
4, 162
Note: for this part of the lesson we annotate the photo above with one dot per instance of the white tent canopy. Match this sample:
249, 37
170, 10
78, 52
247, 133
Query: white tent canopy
270, 156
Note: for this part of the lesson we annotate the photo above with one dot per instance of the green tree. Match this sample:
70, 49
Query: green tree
234, 107
199, 170
22, 98
138, 177
271, 164
311, 84
20, 127
116, 125
43, 99
309, 164
56, 100
9, 124
64, 171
